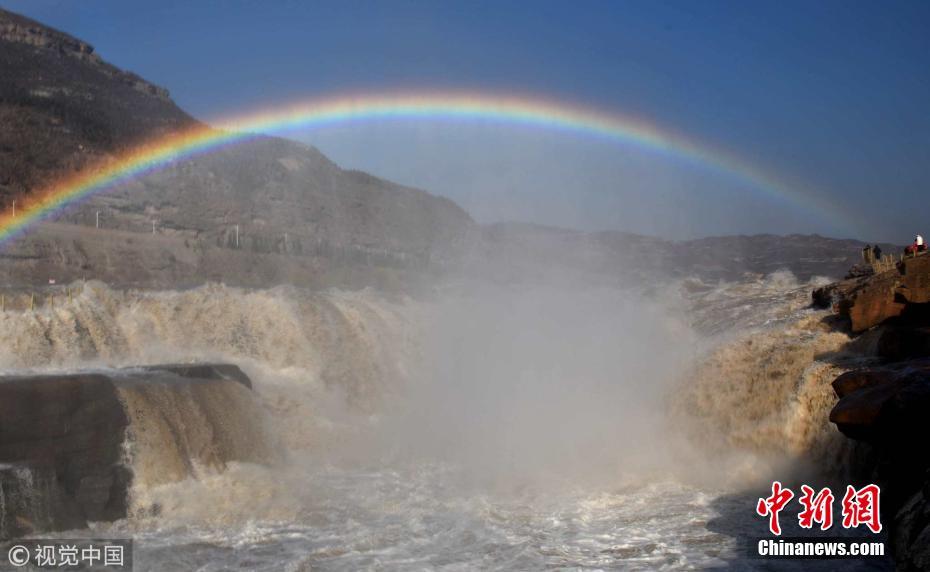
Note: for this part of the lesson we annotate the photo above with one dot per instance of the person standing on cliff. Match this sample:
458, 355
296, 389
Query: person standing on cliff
877, 253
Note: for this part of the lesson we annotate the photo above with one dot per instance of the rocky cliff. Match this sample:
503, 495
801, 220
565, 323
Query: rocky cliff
884, 406
62, 107
902, 291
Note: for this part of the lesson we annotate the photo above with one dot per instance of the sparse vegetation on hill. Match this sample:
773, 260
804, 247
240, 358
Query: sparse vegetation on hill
62, 106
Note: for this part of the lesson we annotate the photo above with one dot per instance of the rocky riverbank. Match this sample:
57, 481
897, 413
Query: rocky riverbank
71, 445
884, 407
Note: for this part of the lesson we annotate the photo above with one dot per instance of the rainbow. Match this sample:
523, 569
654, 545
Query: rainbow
317, 113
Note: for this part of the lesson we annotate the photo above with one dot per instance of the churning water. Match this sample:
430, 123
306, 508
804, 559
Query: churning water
485, 428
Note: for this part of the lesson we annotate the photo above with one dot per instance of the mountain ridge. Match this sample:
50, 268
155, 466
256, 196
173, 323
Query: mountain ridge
64, 108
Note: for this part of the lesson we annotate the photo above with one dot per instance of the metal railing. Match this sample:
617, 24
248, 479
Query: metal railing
890, 261
24, 300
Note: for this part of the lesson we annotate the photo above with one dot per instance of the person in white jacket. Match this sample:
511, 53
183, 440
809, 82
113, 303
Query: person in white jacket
918, 246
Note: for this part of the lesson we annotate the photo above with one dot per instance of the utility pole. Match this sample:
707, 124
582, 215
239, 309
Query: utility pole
153, 227
237, 236
98, 219
285, 243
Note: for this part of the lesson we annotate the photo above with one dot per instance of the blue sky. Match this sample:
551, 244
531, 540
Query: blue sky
832, 96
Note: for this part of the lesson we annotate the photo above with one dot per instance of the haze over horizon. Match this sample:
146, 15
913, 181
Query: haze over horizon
840, 110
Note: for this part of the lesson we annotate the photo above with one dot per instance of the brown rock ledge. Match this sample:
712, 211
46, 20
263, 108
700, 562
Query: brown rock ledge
62, 457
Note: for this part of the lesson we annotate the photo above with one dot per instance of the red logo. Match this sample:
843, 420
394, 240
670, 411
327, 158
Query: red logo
816, 508
773, 505
859, 507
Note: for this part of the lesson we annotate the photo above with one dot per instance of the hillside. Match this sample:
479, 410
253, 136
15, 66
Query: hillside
63, 107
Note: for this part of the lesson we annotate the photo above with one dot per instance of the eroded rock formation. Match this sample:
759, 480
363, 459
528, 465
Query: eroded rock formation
63, 438
871, 300
885, 406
